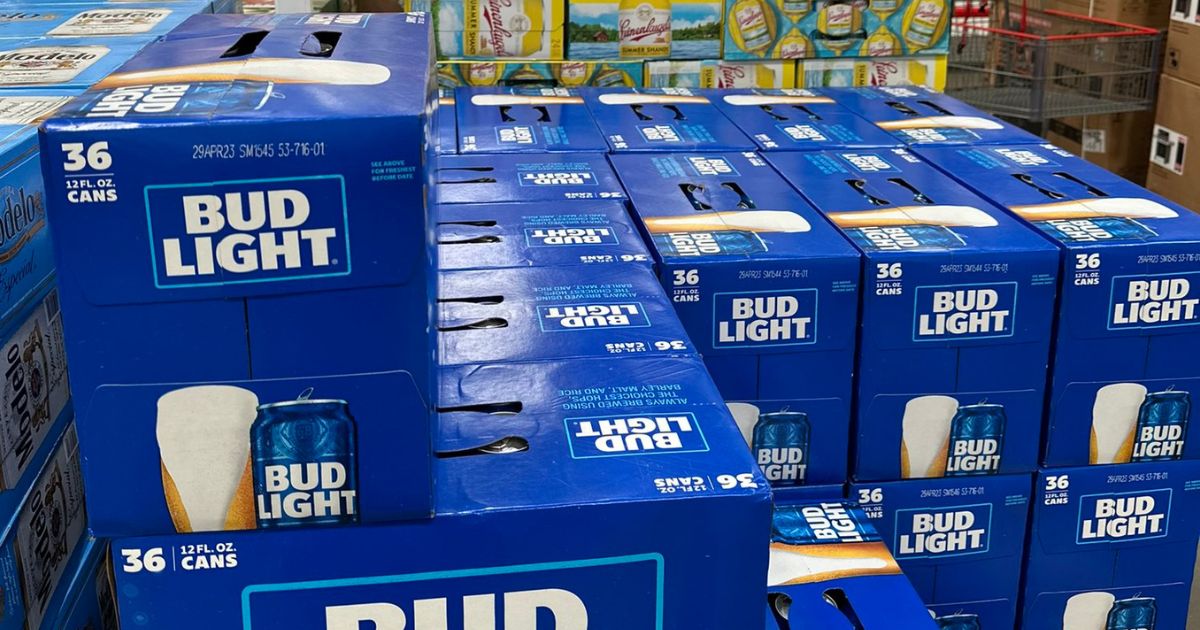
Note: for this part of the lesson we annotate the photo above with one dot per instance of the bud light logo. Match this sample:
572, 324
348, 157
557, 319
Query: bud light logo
868, 162
769, 318
567, 317
564, 176
1155, 301
943, 532
1025, 157
1123, 517
516, 134
803, 133
898, 92
613, 436
568, 236
965, 312
617, 592
660, 133
833, 522
711, 166
248, 231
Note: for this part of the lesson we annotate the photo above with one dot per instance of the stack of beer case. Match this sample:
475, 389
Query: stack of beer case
259, 330
764, 288
49, 52
1116, 505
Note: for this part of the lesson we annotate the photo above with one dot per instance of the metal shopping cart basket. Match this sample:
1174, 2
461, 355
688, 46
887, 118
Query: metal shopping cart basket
1038, 64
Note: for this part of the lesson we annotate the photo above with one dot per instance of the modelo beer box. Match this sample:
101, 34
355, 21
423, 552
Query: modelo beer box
43, 536
525, 120
920, 116
800, 120
25, 249
545, 234
218, 206
138, 21
539, 314
663, 119
1112, 547
767, 290
555, 477
85, 599
61, 62
960, 541
524, 178
1128, 314
958, 302
830, 569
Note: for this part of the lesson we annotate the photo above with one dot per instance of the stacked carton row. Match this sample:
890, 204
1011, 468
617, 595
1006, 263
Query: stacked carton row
985, 335
49, 53
1171, 174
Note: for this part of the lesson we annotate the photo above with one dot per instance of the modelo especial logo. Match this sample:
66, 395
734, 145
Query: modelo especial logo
609, 436
775, 318
592, 316
248, 231
612, 592
965, 312
1123, 516
941, 532
1153, 301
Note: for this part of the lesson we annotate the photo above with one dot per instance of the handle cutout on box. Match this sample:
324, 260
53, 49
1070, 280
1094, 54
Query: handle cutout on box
780, 605
245, 44
836, 597
937, 108
918, 196
860, 186
474, 240
903, 108
507, 408
744, 200
690, 191
480, 324
479, 223
486, 300
1092, 190
503, 446
1027, 179
320, 44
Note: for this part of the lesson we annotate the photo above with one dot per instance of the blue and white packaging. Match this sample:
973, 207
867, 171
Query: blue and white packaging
525, 120
1112, 547
1128, 322
917, 115
960, 542
663, 119
799, 120
25, 248
140, 21
226, 218
445, 124
523, 178
830, 569
61, 62
42, 537
539, 314
564, 512
768, 291
958, 300
544, 234
85, 599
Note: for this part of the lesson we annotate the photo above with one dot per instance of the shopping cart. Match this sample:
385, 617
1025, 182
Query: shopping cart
1039, 64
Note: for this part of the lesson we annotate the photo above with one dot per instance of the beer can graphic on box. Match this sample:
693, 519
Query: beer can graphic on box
644, 29
927, 71
780, 442
304, 454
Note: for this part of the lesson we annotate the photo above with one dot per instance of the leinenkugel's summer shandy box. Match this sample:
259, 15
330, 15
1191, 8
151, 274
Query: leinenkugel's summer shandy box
563, 463
238, 219
767, 290
958, 300
1129, 309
